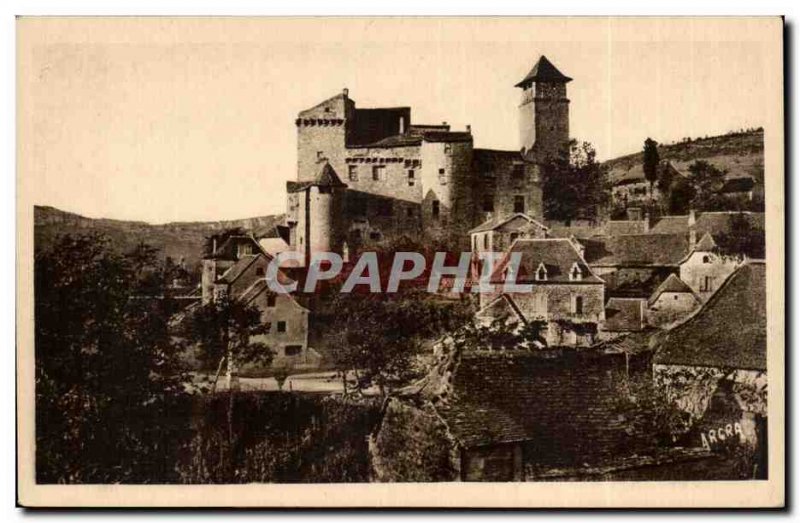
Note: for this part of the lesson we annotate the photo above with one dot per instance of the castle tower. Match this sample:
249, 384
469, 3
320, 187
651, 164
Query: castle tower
319, 209
543, 112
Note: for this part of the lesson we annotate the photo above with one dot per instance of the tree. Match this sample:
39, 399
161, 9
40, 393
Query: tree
707, 181
107, 370
680, 196
650, 161
575, 185
742, 239
224, 330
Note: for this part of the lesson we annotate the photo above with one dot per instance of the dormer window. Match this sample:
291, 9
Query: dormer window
541, 273
575, 273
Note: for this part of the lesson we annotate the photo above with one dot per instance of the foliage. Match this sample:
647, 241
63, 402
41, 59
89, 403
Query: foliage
380, 334
107, 374
707, 181
650, 160
574, 185
224, 329
742, 239
679, 197
501, 334
273, 437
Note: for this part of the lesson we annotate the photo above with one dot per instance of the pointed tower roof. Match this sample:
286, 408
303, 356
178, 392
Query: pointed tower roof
327, 177
706, 244
543, 71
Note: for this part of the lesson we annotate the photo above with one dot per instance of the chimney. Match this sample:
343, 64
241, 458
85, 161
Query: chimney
402, 125
692, 218
214, 244
469, 128
647, 222
692, 239
346, 92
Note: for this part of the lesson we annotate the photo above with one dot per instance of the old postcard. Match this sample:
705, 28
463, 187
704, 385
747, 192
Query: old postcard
400, 262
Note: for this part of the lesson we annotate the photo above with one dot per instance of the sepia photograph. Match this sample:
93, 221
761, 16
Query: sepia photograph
450, 262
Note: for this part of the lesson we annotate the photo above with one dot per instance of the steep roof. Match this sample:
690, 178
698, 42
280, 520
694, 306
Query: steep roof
624, 314
729, 331
706, 244
558, 255
238, 268
620, 227
326, 177
497, 222
671, 284
636, 250
543, 71
711, 222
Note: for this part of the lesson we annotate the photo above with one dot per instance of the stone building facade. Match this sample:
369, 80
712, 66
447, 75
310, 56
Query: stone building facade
394, 178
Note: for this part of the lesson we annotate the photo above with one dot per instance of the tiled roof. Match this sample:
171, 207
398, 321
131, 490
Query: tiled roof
543, 71
624, 314
398, 140
671, 284
326, 177
238, 268
447, 136
620, 227
566, 405
729, 331
558, 255
636, 250
502, 308
711, 222
706, 244
495, 222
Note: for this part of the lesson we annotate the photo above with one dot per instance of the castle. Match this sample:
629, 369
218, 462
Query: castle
366, 176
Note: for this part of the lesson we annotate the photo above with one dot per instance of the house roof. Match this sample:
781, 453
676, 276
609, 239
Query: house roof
729, 331
671, 284
543, 71
620, 227
226, 250
326, 177
636, 250
558, 255
565, 403
502, 308
711, 222
497, 222
238, 268
624, 314
706, 244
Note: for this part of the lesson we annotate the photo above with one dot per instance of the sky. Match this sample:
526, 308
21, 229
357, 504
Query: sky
193, 119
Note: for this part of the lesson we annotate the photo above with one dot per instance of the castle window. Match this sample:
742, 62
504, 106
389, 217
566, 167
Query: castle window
518, 172
575, 273
271, 298
411, 175
352, 173
541, 273
378, 172
486, 241
448, 147
488, 203
435, 208
577, 304
442, 177
519, 204
259, 271
281, 326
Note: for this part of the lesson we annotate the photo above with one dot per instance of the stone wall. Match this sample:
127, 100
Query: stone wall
704, 272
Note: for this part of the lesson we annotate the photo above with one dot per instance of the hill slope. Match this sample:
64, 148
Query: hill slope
176, 239
740, 153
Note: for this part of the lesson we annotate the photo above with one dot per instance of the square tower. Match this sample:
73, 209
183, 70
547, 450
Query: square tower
544, 112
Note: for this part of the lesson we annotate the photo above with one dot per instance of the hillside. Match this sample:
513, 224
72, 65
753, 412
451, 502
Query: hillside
176, 239
740, 153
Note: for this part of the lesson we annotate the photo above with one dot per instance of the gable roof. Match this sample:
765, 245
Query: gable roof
711, 222
729, 331
671, 284
326, 177
706, 244
226, 249
543, 71
238, 268
504, 307
497, 222
636, 250
558, 255
624, 314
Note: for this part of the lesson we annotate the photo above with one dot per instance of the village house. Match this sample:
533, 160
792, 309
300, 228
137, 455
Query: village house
673, 300
713, 366
497, 235
237, 269
632, 188
565, 294
622, 316
704, 270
